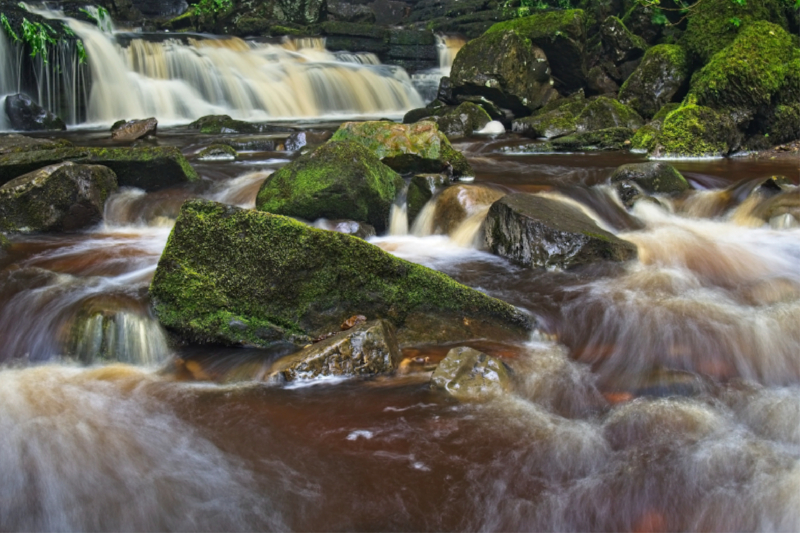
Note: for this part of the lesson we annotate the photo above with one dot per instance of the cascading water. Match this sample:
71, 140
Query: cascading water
427, 81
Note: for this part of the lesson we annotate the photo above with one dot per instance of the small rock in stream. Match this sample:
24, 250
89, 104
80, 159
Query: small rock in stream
467, 374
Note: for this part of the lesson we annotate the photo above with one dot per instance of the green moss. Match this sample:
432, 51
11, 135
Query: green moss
695, 131
750, 71
603, 113
245, 277
549, 25
645, 138
604, 139
660, 78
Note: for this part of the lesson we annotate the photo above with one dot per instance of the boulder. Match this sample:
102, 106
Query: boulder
778, 125
407, 148
505, 68
364, 350
62, 197
577, 114
346, 12
296, 141
457, 203
604, 140
217, 152
696, 131
26, 115
662, 77
541, 232
653, 177
619, 44
226, 124
134, 129
602, 113
467, 374
243, 277
14, 143
421, 190
340, 179
645, 137
462, 121
599, 82
150, 169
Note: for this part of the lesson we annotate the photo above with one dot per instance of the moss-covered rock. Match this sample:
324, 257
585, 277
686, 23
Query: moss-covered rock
406, 148
62, 197
146, 168
340, 179
662, 77
242, 277
217, 152
506, 68
462, 121
750, 72
779, 125
541, 232
696, 131
634, 180
226, 124
467, 374
712, 24
645, 137
577, 114
605, 139
619, 44
14, 143
603, 113
562, 37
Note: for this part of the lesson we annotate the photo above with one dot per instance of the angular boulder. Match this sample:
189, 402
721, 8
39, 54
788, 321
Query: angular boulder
662, 77
134, 129
364, 350
62, 197
619, 44
654, 177
541, 232
242, 277
26, 115
467, 374
407, 148
337, 180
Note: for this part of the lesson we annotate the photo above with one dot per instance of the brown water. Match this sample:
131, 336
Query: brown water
659, 395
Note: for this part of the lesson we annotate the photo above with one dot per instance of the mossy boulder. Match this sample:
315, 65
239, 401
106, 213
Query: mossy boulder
148, 168
541, 232
779, 125
635, 180
62, 197
406, 148
662, 77
752, 71
26, 115
696, 131
14, 143
645, 137
462, 121
602, 140
467, 374
619, 44
577, 114
226, 124
506, 68
241, 277
217, 152
603, 113
340, 179
712, 24
562, 37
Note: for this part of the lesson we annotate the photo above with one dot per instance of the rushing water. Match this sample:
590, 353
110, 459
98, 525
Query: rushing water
659, 395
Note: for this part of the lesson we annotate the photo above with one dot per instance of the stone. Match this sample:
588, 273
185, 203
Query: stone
365, 350
541, 232
62, 197
14, 143
654, 177
458, 202
599, 82
134, 129
361, 230
462, 121
467, 374
696, 131
255, 143
619, 43
347, 12
340, 179
578, 115
407, 148
645, 137
242, 277
662, 77
603, 140
26, 115
302, 12
226, 124
217, 152
296, 141
421, 190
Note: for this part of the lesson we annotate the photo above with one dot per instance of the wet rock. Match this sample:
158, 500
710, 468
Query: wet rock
217, 152
619, 43
542, 232
650, 178
252, 26
62, 197
554, 120
407, 148
364, 350
696, 131
662, 77
457, 203
645, 137
14, 143
603, 113
460, 121
349, 227
421, 190
134, 129
302, 12
579, 115
505, 68
250, 144
599, 82
772, 186
150, 169
347, 12
225, 124
301, 139
605, 139
277, 280
445, 92
26, 115
338, 180
467, 374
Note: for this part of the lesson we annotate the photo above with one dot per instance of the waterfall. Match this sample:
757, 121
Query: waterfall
427, 81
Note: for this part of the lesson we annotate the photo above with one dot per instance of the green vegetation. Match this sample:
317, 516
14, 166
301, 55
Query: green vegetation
8, 29
38, 35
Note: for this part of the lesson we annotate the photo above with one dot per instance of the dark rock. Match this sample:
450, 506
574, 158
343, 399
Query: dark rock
160, 8
346, 12
599, 82
777, 125
619, 43
661, 78
301, 12
133, 129
26, 115
13, 143
496, 113
634, 179
389, 12
603, 113
280, 281
301, 139
421, 190
467, 374
217, 152
445, 91
225, 124
252, 26
338, 180
462, 121
364, 350
576, 114
605, 139
63, 197
541, 232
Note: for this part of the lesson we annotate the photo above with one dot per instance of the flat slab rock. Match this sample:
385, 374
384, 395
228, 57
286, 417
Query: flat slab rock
535, 231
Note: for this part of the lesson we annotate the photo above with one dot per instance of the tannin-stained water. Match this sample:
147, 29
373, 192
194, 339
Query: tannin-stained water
657, 395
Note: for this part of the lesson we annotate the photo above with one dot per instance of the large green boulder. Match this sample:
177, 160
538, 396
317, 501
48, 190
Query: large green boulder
562, 37
241, 277
696, 131
14, 143
580, 115
226, 124
407, 148
338, 180
62, 197
147, 168
645, 137
506, 68
662, 77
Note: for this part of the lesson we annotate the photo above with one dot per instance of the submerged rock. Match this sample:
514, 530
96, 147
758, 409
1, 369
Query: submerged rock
26, 115
633, 179
362, 350
134, 129
242, 277
406, 148
662, 77
337, 180
541, 232
62, 197
467, 374
217, 152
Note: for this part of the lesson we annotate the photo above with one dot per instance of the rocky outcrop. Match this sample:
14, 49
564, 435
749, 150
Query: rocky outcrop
541, 232
134, 129
62, 197
467, 374
635, 180
340, 179
602, 140
406, 148
26, 115
364, 350
661, 78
